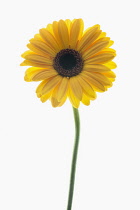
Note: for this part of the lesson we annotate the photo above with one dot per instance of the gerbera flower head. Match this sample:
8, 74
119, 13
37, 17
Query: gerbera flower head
70, 62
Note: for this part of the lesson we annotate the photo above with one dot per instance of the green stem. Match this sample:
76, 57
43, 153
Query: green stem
74, 158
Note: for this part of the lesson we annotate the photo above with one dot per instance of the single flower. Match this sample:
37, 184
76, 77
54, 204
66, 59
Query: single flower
70, 62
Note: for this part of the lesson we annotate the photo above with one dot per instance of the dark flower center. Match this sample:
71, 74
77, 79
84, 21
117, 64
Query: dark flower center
68, 63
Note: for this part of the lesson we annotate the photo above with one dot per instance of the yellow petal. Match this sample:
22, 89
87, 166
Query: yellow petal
103, 34
38, 59
90, 28
63, 33
38, 37
74, 101
101, 39
112, 79
68, 23
49, 28
35, 64
36, 74
40, 87
97, 47
97, 86
51, 84
110, 43
111, 65
85, 100
109, 50
31, 69
101, 58
95, 68
37, 51
41, 47
45, 97
75, 87
49, 39
76, 32
54, 101
28, 52
62, 89
56, 34
87, 88
88, 38
100, 78
45, 74
62, 101
109, 74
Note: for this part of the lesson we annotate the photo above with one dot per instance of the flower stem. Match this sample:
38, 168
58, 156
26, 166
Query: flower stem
74, 158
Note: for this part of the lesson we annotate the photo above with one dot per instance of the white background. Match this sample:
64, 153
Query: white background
36, 140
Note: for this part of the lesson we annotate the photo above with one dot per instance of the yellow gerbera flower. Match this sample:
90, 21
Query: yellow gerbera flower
70, 62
